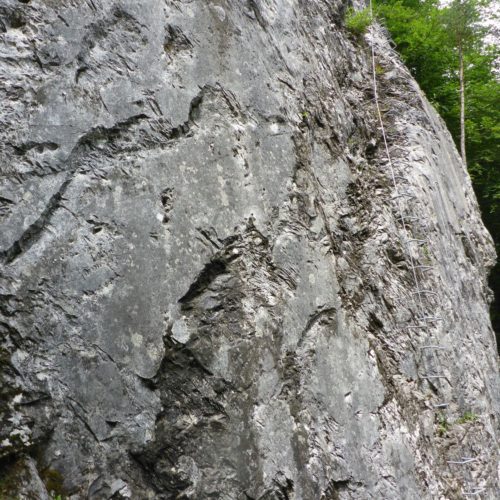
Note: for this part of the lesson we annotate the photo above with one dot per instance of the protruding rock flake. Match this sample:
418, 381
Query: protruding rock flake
237, 261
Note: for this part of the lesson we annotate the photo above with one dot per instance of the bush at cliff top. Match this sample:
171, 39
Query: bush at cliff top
357, 22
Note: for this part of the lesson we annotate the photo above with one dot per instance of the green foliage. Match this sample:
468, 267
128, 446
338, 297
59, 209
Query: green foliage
11, 473
379, 70
460, 20
468, 416
419, 34
443, 424
358, 21
427, 254
53, 481
429, 37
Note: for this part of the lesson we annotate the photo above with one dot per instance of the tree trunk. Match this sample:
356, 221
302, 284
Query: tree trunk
462, 104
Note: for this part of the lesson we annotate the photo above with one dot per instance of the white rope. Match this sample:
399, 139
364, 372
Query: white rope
389, 159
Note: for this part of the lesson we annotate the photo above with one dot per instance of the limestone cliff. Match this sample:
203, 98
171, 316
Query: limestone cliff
210, 286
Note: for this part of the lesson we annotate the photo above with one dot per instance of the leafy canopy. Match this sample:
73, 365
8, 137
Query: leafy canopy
429, 38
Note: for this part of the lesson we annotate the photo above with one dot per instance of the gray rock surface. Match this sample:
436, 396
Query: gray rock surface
203, 287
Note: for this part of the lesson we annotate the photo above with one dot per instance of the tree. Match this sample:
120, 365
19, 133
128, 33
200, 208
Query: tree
461, 21
448, 52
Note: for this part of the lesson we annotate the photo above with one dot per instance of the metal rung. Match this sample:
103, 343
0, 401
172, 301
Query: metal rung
434, 347
411, 217
430, 319
463, 461
441, 405
474, 492
424, 268
432, 376
416, 240
425, 324
428, 292
403, 195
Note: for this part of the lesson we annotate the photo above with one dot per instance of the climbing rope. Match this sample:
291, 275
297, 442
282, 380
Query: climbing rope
399, 195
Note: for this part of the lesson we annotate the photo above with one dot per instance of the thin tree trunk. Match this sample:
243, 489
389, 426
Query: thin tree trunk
462, 104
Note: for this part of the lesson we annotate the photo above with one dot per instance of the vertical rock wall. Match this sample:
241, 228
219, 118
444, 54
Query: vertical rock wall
204, 286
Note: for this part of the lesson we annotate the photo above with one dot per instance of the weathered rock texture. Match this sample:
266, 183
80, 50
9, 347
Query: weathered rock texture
204, 290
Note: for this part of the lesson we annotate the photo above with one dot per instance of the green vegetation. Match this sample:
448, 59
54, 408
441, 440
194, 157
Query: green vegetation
427, 255
53, 481
449, 53
358, 21
379, 70
443, 424
468, 416
11, 477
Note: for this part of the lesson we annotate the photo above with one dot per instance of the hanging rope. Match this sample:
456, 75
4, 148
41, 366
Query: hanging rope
391, 165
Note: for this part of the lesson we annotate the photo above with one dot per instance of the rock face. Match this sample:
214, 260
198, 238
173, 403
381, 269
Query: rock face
208, 279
